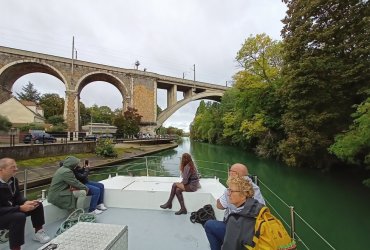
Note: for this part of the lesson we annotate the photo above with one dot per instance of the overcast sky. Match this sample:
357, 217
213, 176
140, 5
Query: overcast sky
167, 36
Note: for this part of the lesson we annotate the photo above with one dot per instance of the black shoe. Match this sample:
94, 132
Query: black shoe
166, 205
181, 211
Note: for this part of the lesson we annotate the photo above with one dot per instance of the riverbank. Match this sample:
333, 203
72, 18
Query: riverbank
42, 174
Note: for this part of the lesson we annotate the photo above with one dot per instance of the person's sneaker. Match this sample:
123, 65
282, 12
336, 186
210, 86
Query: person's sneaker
101, 207
96, 212
41, 236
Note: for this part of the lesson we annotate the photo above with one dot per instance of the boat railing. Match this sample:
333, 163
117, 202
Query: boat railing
293, 215
143, 167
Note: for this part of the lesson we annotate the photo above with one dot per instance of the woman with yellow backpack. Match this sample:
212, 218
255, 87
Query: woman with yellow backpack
254, 227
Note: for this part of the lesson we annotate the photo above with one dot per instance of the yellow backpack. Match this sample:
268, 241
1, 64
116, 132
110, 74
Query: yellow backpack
269, 233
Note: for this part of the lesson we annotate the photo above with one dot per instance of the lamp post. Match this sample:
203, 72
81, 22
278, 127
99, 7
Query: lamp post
13, 132
90, 124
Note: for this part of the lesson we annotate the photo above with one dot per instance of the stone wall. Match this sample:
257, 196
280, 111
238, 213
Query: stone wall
24, 152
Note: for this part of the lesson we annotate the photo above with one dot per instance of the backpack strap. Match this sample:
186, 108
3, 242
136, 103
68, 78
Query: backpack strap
257, 228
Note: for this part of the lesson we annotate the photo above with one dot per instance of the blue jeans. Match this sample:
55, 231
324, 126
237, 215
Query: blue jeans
215, 231
96, 190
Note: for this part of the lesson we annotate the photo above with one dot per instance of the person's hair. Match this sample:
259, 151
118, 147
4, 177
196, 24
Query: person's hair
244, 186
4, 162
186, 160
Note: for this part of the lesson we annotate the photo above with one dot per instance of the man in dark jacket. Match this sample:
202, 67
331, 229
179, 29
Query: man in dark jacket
14, 208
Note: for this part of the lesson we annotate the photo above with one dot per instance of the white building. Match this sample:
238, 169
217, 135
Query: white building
22, 112
99, 128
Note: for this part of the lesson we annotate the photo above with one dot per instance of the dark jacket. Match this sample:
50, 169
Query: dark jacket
10, 197
81, 174
240, 226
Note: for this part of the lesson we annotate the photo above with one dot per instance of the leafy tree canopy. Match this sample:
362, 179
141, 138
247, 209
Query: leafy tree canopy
52, 104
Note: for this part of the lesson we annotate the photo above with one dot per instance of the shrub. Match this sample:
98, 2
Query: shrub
105, 148
5, 124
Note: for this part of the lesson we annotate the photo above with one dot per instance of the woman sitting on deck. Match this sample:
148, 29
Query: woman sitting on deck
189, 183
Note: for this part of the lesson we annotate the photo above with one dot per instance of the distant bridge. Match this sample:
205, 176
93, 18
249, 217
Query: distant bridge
138, 88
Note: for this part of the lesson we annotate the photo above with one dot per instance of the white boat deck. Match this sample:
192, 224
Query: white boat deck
134, 201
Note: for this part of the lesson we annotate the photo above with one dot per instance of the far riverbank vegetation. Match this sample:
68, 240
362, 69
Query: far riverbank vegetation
303, 100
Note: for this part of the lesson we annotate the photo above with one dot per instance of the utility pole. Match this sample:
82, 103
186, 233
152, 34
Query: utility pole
73, 52
194, 71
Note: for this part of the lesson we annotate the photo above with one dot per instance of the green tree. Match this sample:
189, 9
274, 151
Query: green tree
326, 70
85, 114
119, 122
52, 104
29, 93
56, 119
101, 114
251, 109
132, 121
353, 146
5, 124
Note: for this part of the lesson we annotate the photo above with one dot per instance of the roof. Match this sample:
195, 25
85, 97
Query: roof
27, 103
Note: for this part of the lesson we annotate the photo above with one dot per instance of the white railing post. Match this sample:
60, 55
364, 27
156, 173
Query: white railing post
147, 169
292, 223
43, 194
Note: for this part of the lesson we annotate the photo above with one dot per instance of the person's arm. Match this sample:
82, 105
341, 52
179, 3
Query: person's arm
186, 175
222, 202
18, 196
231, 239
81, 174
71, 180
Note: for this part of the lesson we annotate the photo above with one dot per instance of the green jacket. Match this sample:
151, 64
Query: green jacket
59, 192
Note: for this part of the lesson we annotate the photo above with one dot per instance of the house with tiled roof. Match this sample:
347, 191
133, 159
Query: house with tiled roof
22, 112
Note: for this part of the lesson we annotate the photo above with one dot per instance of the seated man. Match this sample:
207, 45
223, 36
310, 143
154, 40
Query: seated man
215, 230
14, 208
96, 189
65, 188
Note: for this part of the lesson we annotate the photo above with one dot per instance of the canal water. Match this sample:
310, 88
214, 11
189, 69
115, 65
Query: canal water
334, 204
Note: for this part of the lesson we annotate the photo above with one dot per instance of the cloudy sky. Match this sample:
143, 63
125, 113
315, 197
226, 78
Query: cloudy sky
167, 37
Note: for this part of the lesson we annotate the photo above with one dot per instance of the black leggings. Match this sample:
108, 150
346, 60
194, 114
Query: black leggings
15, 223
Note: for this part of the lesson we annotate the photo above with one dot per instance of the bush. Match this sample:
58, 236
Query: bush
32, 126
105, 148
5, 124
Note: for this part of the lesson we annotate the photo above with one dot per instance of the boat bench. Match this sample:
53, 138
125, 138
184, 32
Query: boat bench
140, 193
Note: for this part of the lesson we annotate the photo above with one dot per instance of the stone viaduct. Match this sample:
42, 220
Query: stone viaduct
138, 88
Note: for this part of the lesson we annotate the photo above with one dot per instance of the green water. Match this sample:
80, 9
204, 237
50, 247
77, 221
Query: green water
333, 203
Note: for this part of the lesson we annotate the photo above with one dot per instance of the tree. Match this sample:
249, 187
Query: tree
353, 146
85, 114
56, 119
101, 114
29, 93
129, 123
133, 119
119, 122
52, 104
5, 124
251, 109
326, 70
